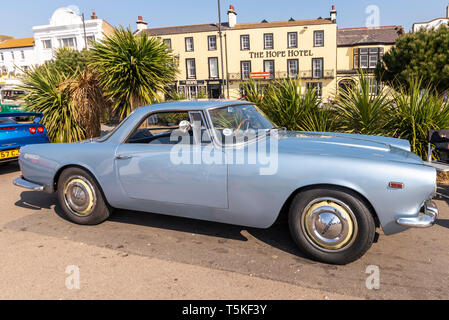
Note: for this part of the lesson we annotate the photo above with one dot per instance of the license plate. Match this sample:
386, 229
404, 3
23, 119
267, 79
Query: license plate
9, 154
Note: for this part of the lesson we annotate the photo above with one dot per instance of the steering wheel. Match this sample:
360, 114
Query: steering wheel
238, 127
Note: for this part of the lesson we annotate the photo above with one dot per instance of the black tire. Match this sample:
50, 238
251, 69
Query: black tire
93, 208
307, 234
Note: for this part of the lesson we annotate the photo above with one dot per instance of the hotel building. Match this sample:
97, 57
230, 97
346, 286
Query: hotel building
303, 48
314, 50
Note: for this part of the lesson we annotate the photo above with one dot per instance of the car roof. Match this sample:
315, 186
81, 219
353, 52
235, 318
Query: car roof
191, 105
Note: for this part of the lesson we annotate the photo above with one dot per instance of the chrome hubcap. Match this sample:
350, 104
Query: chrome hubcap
329, 224
79, 196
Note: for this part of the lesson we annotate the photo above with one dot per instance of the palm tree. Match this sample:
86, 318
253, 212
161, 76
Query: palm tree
286, 105
252, 92
69, 96
87, 97
360, 110
416, 111
46, 94
133, 70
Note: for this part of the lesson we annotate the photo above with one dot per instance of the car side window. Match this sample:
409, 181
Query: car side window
162, 128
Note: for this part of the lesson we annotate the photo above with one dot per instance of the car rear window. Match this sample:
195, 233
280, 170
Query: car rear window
6, 120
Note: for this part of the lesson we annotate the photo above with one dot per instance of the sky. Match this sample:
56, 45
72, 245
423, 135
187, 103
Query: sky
18, 17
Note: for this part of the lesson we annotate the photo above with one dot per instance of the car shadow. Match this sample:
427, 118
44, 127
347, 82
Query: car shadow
443, 223
277, 236
9, 167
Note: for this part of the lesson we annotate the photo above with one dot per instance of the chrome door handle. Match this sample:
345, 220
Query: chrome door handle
122, 157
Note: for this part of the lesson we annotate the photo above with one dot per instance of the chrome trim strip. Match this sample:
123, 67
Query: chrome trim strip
425, 220
21, 182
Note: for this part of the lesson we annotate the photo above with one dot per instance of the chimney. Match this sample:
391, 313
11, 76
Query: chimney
232, 17
93, 16
141, 25
334, 15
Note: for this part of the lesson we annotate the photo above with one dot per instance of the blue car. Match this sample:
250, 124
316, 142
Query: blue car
224, 161
14, 134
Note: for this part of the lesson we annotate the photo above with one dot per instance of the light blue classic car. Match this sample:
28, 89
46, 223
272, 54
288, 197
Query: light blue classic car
224, 161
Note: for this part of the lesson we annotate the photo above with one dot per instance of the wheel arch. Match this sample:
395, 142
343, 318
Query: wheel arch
283, 214
67, 166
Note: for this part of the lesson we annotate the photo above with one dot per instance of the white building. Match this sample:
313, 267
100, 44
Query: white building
66, 29
16, 56
435, 23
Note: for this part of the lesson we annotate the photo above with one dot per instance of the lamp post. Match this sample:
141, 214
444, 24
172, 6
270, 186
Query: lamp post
221, 49
84, 28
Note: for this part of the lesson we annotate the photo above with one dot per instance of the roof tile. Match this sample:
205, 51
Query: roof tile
365, 36
17, 43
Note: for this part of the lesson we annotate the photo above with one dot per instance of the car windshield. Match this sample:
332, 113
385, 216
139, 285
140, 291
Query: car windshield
238, 123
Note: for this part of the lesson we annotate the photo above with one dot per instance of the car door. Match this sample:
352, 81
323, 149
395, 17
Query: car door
152, 167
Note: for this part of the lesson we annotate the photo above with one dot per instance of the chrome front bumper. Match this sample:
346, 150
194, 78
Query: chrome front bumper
21, 182
427, 219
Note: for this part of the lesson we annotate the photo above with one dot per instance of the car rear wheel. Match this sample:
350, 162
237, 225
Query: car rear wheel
331, 225
80, 197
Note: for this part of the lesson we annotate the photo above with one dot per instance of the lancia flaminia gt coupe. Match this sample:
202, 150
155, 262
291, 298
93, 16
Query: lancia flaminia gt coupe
224, 161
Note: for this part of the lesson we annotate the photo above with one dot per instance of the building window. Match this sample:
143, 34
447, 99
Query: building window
292, 66
189, 44
374, 86
190, 68
213, 67
212, 42
68, 42
89, 40
245, 67
167, 43
268, 41
367, 58
22, 53
268, 66
244, 42
318, 86
292, 39
12, 55
356, 59
373, 57
364, 58
2, 56
46, 44
318, 38
317, 68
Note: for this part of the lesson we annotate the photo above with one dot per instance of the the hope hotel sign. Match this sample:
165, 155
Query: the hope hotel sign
280, 54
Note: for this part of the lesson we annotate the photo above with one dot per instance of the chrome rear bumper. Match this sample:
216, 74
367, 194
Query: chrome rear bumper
21, 182
425, 220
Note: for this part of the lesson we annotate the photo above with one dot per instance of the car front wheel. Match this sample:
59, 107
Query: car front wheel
80, 197
331, 225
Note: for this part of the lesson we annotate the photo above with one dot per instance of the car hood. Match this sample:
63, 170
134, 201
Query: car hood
347, 145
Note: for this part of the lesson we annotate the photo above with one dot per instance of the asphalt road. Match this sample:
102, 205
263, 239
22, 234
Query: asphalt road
141, 255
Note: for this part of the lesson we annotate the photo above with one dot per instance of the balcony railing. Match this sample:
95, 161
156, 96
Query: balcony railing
324, 74
308, 74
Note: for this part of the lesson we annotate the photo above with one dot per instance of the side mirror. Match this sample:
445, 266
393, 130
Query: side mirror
185, 126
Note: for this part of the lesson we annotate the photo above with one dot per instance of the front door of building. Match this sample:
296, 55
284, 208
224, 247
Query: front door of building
214, 91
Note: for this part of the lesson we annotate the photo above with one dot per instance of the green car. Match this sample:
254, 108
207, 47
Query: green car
8, 108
